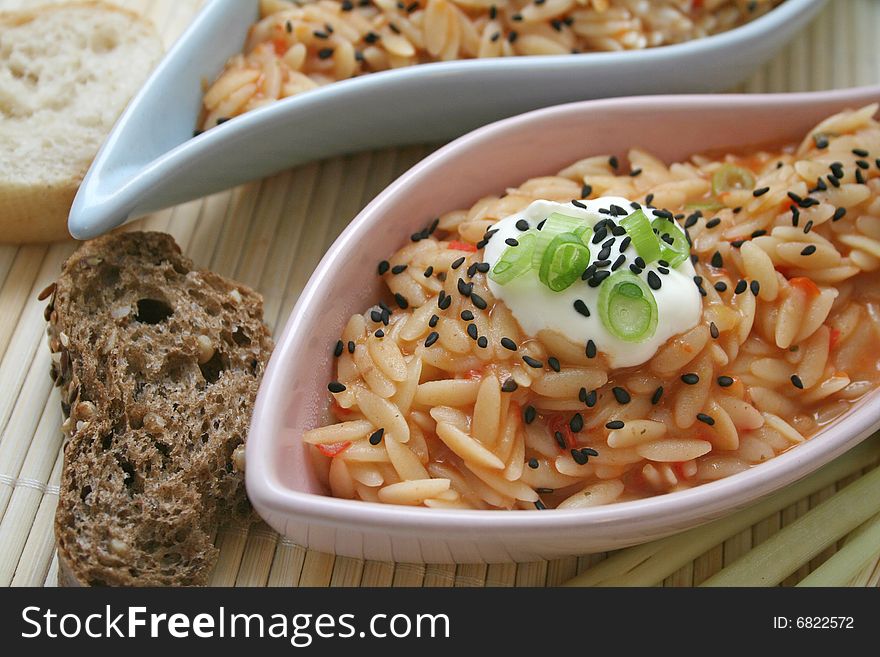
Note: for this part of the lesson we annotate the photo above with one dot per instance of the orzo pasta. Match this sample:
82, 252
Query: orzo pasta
300, 45
443, 399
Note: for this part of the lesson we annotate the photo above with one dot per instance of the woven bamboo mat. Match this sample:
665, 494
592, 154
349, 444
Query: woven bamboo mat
270, 235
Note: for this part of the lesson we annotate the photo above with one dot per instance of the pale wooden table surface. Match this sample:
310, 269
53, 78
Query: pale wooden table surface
270, 235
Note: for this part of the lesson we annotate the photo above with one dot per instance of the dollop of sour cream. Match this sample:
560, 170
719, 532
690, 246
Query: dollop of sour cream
536, 307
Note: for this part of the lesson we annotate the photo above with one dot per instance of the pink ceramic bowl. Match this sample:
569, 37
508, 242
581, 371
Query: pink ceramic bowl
293, 396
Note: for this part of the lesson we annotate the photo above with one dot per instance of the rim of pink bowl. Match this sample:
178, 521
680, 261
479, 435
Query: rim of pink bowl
706, 500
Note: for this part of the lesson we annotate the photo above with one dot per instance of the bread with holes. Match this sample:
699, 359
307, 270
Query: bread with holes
158, 364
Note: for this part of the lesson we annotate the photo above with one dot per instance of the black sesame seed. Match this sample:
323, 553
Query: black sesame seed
860, 152
351, 346
720, 286
755, 287
839, 214
591, 399
760, 191
533, 463
511, 242
509, 385
472, 269
635, 172
737, 243
713, 222
325, 53
862, 164
464, 289
634, 268
621, 395
860, 178
808, 250
507, 343
478, 301
713, 330
692, 219
613, 162
401, 300
338, 349
553, 362
640, 262
472, 331
433, 321
706, 419
522, 225
836, 169
758, 233
604, 254
458, 262
532, 362
541, 223
589, 272
820, 140
398, 269
483, 267
560, 439
741, 286
581, 308
578, 204
591, 349
376, 315
529, 414
624, 244
540, 506
717, 261
654, 281
579, 457
432, 338
467, 315
655, 398
796, 382
615, 424
663, 270
383, 267
376, 436
649, 199
512, 37
482, 342
428, 272
335, 386
576, 424
725, 381
795, 215
618, 262
598, 277
834, 180
690, 378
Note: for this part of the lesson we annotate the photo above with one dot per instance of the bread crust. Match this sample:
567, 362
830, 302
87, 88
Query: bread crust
158, 365
37, 211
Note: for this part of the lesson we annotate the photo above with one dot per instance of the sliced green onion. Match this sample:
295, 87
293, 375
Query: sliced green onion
677, 252
730, 177
627, 307
516, 260
643, 238
563, 261
554, 225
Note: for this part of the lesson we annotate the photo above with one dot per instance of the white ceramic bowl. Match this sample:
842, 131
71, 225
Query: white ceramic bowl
293, 396
150, 160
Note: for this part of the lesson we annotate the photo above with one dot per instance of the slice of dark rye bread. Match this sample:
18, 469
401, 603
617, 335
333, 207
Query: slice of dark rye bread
158, 365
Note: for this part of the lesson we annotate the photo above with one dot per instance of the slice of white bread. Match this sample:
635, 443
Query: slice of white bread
66, 73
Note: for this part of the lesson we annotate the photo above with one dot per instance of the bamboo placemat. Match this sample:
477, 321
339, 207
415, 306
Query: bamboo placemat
270, 235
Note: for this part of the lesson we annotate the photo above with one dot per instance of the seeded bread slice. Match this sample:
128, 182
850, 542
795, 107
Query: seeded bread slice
158, 365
